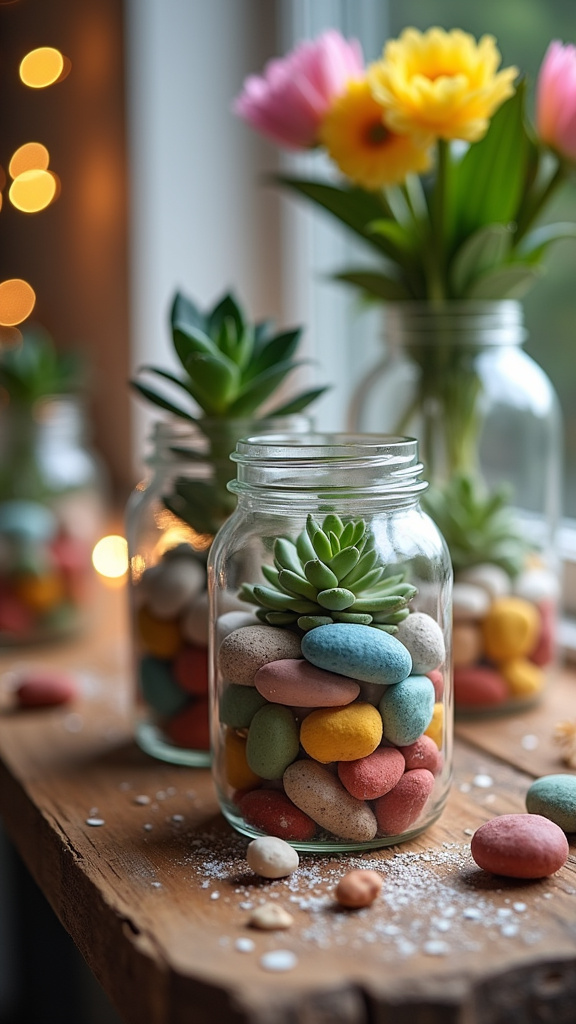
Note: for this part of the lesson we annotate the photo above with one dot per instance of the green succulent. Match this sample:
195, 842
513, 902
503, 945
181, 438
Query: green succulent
478, 525
229, 371
35, 369
333, 573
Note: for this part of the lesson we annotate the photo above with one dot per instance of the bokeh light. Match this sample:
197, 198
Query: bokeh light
110, 556
41, 67
32, 156
10, 337
17, 300
32, 191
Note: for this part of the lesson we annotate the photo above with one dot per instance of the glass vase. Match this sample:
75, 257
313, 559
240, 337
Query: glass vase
331, 700
171, 519
52, 506
489, 427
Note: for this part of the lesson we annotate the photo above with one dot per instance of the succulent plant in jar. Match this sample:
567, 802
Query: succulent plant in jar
230, 370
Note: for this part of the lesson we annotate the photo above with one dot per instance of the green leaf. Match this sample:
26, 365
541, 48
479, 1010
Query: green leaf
166, 375
374, 283
297, 404
319, 575
484, 249
355, 207
399, 236
185, 313
224, 309
336, 599
344, 562
214, 381
295, 584
161, 402
278, 350
286, 555
488, 181
535, 243
507, 282
251, 395
187, 340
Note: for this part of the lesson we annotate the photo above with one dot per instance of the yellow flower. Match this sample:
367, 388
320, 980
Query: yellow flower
440, 85
364, 149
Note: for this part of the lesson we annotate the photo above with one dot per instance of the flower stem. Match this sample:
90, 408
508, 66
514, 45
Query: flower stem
437, 251
536, 203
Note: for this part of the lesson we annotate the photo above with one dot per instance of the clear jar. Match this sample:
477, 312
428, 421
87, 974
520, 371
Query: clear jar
330, 728
489, 426
52, 506
171, 519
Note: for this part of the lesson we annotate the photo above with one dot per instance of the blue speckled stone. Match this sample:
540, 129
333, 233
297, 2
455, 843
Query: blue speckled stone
360, 652
159, 688
407, 710
554, 797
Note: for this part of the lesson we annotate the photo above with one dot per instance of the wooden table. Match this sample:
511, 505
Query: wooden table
157, 897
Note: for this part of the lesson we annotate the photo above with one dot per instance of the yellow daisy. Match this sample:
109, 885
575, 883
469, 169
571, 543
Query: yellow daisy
440, 85
364, 149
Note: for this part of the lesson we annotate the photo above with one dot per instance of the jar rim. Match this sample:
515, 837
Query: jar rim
312, 448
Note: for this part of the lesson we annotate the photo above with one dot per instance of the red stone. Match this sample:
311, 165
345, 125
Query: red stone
190, 670
476, 686
190, 728
271, 811
520, 846
370, 777
543, 653
37, 689
402, 806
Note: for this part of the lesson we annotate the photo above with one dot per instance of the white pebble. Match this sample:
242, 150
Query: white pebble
244, 945
214, 895
469, 602
491, 577
483, 781
156, 885
95, 821
271, 857
147, 827
279, 960
270, 917
529, 742
177, 817
436, 948
520, 907
472, 913
142, 800
509, 930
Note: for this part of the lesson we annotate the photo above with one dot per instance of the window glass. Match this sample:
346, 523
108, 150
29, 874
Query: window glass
523, 29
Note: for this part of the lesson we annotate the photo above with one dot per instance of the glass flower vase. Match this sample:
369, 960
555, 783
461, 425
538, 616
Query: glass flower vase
489, 427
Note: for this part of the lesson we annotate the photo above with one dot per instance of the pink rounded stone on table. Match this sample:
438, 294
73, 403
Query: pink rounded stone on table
295, 681
372, 776
520, 846
543, 652
437, 679
399, 809
41, 688
422, 754
478, 686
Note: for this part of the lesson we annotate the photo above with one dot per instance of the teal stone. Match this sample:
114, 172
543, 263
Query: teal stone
554, 797
360, 652
159, 688
407, 710
273, 741
239, 704
27, 520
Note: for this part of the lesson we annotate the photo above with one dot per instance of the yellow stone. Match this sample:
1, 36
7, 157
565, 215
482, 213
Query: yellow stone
342, 733
510, 629
238, 772
160, 637
523, 677
436, 728
40, 593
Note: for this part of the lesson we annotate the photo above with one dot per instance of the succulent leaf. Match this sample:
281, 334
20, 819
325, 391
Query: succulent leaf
343, 587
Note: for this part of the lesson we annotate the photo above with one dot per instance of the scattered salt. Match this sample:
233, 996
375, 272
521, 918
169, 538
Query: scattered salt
509, 930
177, 817
520, 907
244, 945
161, 794
143, 800
436, 948
279, 960
148, 827
483, 781
156, 885
472, 914
95, 821
214, 895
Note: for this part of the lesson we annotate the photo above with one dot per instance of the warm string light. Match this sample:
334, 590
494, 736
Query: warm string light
110, 557
17, 299
43, 67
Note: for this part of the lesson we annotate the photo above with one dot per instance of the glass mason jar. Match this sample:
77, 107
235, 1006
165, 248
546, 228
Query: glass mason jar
171, 519
331, 698
489, 428
52, 503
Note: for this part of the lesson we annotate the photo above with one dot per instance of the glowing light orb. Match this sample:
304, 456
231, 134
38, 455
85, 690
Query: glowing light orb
32, 156
110, 556
17, 300
41, 67
32, 191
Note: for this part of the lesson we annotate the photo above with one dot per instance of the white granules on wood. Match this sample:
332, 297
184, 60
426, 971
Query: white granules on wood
435, 902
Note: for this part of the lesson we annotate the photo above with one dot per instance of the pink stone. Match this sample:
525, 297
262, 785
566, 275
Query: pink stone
543, 653
478, 687
520, 846
437, 680
294, 681
401, 807
372, 776
42, 688
422, 754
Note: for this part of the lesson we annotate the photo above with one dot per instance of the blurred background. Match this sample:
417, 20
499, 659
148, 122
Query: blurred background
153, 185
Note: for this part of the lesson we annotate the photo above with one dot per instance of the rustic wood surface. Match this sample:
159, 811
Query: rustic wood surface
158, 897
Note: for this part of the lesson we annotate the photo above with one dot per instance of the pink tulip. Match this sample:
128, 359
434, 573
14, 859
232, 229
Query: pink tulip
288, 102
556, 99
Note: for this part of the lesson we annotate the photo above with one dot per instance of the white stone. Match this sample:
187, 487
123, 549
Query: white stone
169, 586
422, 636
271, 857
495, 581
537, 585
230, 621
270, 917
469, 602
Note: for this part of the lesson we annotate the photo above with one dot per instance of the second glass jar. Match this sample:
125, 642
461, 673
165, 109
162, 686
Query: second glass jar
331, 692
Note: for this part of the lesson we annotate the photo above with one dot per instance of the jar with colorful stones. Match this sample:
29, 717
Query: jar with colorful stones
171, 519
52, 508
331, 690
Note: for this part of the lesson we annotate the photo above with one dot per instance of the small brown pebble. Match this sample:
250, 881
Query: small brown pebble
269, 917
358, 888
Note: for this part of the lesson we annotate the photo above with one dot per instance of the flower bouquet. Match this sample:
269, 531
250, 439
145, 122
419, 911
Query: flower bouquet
441, 174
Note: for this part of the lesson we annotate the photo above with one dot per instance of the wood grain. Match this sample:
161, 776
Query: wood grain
157, 897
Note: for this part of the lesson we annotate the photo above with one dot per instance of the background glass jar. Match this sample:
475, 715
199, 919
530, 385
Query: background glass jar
171, 519
52, 505
489, 427
331, 691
